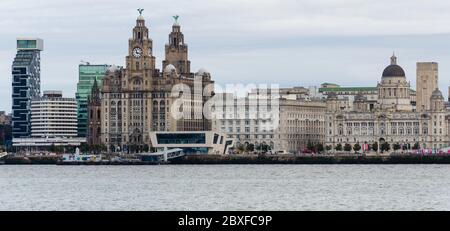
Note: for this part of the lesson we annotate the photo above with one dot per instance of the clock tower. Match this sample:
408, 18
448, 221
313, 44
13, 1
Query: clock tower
140, 62
137, 99
177, 51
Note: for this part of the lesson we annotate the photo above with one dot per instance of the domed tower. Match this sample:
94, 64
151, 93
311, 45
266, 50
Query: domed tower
437, 101
177, 51
170, 71
394, 89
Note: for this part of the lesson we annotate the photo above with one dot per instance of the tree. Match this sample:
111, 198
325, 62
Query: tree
385, 147
264, 147
396, 146
416, 146
375, 146
320, 148
406, 147
356, 147
347, 147
52, 148
84, 148
146, 148
250, 147
240, 148
328, 148
338, 147
310, 146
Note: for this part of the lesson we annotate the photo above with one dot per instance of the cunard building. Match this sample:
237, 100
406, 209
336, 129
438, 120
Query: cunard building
392, 119
140, 98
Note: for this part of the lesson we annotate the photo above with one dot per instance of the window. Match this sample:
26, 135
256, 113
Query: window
183, 138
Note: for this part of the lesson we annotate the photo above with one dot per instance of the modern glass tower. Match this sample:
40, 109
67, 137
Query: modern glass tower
26, 83
87, 74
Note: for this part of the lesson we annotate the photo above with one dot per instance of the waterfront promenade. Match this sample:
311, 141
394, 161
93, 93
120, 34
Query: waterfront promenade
393, 158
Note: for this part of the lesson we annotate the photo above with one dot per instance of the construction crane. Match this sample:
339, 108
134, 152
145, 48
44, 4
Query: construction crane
84, 62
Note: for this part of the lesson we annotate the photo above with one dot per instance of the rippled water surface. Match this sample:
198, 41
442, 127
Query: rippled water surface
226, 187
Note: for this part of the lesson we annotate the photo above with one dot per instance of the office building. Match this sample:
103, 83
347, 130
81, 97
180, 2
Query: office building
426, 83
87, 75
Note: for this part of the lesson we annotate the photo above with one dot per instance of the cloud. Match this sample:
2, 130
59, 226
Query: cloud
293, 42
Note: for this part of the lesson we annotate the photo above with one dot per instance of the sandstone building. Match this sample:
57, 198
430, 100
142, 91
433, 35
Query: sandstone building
392, 119
138, 99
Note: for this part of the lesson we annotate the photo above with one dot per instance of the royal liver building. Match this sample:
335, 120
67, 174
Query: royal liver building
140, 98
393, 119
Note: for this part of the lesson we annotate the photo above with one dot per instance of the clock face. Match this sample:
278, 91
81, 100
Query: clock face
137, 52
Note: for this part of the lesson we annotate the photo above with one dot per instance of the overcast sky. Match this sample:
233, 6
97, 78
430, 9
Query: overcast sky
290, 42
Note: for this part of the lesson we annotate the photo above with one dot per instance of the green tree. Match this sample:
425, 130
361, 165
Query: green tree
375, 146
250, 147
356, 147
52, 148
328, 148
84, 148
385, 147
320, 148
146, 148
416, 146
406, 147
396, 146
310, 146
347, 147
264, 147
338, 147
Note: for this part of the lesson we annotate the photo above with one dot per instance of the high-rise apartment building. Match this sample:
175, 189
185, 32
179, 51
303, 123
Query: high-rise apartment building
88, 73
26, 83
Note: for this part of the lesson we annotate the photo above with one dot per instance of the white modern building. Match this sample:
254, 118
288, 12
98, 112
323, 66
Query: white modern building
192, 142
53, 116
53, 122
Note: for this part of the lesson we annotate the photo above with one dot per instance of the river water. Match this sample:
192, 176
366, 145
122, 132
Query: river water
226, 187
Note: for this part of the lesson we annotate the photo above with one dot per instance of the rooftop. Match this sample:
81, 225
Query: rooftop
340, 89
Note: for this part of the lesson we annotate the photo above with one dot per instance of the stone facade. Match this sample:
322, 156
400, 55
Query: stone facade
288, 125
94, 105
392, 119
139, 98
426, 82
5, 119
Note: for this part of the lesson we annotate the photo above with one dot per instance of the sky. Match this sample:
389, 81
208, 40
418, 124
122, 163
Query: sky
285, 42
